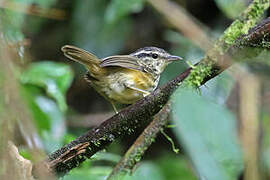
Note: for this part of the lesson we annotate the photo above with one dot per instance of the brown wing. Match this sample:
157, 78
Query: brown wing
124, 61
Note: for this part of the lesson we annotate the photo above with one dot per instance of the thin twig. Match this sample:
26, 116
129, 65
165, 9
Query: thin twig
137, 150
183, 22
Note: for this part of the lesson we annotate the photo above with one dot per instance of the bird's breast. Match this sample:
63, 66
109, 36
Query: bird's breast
120, 86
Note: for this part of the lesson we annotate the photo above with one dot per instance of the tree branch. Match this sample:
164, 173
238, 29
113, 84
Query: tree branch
123, 123
136, 151
140, 114
143, 142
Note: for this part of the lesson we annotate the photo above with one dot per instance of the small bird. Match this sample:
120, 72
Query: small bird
123, 78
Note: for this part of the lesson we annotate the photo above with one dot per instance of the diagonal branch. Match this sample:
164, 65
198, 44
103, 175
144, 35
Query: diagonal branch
143, 142
141, 113
123, 123
136, 151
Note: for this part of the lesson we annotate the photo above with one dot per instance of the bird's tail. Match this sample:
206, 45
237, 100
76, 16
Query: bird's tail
83, 57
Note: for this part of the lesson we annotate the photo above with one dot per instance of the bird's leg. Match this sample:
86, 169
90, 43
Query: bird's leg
114, 107
145, 93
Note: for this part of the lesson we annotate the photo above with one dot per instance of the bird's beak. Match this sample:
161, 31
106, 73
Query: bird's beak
173, 58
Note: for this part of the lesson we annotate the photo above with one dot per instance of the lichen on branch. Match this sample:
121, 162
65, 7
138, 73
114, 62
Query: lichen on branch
240, 27
243, 24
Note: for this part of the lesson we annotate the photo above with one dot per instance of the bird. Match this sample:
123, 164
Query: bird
123, 79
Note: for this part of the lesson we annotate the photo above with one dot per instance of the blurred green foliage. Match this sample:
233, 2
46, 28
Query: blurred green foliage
44, 87
11, 25
13, 22
145, 171
231, 8
120, 8
208, 134
55, 78
106, 38
174, 166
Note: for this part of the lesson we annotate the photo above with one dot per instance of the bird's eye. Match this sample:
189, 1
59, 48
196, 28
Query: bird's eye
154, 56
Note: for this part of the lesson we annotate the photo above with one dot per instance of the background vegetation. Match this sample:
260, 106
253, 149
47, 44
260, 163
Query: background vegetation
221, 131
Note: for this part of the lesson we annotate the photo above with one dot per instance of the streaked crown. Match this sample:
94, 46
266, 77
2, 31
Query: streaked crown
153, 59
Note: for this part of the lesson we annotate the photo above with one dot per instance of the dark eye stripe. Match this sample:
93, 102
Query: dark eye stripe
141, 55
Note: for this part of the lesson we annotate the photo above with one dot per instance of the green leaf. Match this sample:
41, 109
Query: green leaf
175, 167
25, 153
208, 133
144, 171
147, 170
49, 120
120, 8
55, 78
86, 173
39, 81
105, 156
231, 8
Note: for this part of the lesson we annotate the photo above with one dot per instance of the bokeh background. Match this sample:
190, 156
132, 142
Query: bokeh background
222, 131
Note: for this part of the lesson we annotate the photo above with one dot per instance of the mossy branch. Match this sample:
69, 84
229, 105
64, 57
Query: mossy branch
195, 79
137, 150
140, 114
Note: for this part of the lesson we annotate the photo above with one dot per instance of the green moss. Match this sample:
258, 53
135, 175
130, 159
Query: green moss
96, 143
152, 140
239, 27
233, 32
134, 157
138, 158
198, 74
242, 25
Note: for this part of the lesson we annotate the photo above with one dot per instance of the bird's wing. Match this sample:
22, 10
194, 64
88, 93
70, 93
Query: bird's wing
124, 61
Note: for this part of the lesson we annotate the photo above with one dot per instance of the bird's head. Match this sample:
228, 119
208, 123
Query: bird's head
153, 59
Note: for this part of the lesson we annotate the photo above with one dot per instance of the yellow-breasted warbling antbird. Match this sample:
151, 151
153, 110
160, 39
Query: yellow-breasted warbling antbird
123, 78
